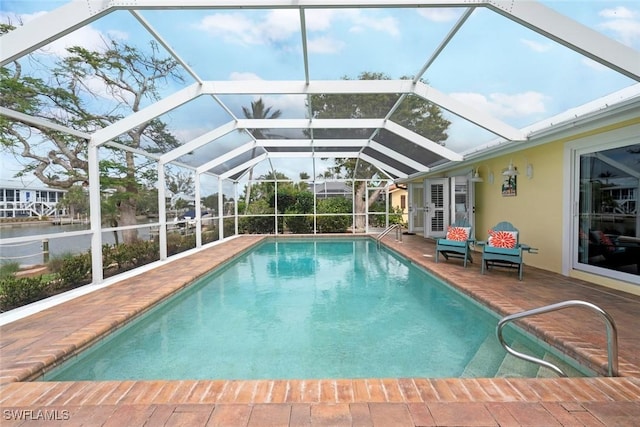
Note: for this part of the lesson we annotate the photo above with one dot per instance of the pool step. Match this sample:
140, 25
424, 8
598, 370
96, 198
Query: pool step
486, 361
566, 368
513, 366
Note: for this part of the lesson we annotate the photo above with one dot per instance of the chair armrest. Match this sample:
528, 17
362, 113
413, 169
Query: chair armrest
529, 249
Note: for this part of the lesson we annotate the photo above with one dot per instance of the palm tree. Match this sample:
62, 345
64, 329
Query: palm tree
257, 111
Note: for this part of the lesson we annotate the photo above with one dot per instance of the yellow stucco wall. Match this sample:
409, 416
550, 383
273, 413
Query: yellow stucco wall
537, 207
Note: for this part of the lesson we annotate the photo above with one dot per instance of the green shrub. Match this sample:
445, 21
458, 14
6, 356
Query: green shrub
177, 243
334, 223
257, 225
15, 292
9, 269
75, 270
300, 224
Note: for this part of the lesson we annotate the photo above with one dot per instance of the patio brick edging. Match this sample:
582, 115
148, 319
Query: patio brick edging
35, 367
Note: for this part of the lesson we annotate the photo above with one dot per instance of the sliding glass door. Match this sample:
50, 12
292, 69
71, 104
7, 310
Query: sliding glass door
607, 224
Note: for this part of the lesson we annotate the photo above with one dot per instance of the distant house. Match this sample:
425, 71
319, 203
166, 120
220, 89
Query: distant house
398, 200
18, 199
327, 189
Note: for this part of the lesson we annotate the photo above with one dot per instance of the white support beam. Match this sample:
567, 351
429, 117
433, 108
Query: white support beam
310, 143
166, 45
39, 122
422, 141
162, 211
383, 166
397, 156
299, 87
313, 124
198, 142
465, 111
151, 112
245, 165
316, 155
226, 157
290, 4
95, 215
572, 34
49, 27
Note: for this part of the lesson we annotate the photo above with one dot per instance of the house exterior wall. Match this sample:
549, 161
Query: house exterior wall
536, 209
542, 206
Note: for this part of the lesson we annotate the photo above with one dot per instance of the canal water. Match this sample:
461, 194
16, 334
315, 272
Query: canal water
30, 252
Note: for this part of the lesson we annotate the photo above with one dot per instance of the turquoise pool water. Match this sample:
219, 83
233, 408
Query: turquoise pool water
302, 309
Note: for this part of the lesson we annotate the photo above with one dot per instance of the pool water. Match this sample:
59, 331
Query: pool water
297, 308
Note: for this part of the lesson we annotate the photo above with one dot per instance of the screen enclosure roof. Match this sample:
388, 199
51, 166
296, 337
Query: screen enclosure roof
493, 68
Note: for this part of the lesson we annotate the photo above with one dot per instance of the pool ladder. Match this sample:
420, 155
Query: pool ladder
389, 229
612, 334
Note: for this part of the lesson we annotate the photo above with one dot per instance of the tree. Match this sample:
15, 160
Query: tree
75, 201
257, 111
414, 113
88, 90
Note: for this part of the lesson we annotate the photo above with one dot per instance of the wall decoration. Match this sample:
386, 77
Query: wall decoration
510, 186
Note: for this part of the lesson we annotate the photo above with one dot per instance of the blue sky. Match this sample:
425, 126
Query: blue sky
496, 65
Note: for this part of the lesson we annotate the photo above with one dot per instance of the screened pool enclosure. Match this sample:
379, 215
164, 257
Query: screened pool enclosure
288, 116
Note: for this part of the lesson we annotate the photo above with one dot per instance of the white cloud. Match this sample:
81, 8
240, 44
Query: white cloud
439, 14
277, 25
619, 12
319, 19
536, 46
325, 45
233, 27
281, 24
362, 22
623, 23
238, 76
505, 105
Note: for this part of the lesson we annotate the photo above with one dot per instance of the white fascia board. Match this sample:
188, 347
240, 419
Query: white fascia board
226, 157
467, 112
422, 141
299, 87
37, 121
383, 166
397, 156
572, 34
49, 27
313, 124
198, 142
311, 143
244, 166
149, 113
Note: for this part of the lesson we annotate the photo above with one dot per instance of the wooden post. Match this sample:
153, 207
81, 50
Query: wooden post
45, 251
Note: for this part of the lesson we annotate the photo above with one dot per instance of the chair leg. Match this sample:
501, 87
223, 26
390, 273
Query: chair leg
437, 252
482, 267
520, 271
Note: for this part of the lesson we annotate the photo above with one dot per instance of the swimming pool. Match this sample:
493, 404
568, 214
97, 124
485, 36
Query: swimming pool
297, 308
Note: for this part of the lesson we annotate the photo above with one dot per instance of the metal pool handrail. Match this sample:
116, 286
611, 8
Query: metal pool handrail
612, 334
387, 230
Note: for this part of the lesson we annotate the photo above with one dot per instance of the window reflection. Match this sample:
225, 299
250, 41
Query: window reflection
609, 229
